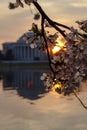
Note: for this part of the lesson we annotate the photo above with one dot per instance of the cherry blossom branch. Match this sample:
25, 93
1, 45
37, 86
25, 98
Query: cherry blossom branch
46, 45
80, 100
67, 67
52, 23
62, 25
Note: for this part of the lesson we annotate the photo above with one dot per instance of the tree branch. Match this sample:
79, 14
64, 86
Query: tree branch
79, 100
46, 45
52, 23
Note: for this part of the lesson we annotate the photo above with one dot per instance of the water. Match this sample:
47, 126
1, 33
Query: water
27, 83
26, 105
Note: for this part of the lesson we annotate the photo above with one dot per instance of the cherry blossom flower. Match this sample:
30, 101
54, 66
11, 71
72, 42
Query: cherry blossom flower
37, 16
82, 25
33, 45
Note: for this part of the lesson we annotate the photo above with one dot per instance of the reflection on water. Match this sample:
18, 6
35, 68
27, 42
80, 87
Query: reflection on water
52, 112
26, 82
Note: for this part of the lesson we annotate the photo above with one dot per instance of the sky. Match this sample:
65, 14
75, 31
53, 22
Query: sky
13, 23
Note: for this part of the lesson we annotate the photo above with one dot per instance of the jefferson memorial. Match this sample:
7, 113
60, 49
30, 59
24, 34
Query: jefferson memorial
22, 51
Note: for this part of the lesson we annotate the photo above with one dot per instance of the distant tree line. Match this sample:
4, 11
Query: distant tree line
8, 55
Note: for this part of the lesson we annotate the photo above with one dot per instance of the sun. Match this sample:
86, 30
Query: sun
59, 45
55, 49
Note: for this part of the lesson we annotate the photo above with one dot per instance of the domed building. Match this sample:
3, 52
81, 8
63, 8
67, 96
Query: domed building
23, 53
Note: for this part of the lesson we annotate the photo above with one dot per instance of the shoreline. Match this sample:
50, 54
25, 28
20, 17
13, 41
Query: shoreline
6, 65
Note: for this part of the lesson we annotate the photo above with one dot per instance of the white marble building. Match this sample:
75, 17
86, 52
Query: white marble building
22, 51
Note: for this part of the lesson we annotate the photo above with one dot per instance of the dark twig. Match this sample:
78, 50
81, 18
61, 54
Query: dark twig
47, 48
79, 100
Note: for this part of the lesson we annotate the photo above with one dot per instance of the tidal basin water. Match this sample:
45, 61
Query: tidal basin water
26, 105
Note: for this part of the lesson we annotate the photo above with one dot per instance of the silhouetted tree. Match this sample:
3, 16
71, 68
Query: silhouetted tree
1, 56
9, 55
68, 63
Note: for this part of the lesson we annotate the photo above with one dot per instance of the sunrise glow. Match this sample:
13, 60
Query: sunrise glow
58, 85
55, 49
59, 45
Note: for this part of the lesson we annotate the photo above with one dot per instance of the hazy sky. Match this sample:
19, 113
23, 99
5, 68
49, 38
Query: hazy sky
13, 23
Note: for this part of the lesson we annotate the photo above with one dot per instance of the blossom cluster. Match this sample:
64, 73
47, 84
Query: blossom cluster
69, 64
20, 3
82, 25
34, 38
48, 80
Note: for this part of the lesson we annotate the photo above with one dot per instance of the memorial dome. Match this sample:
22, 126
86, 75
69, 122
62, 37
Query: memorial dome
21, 38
